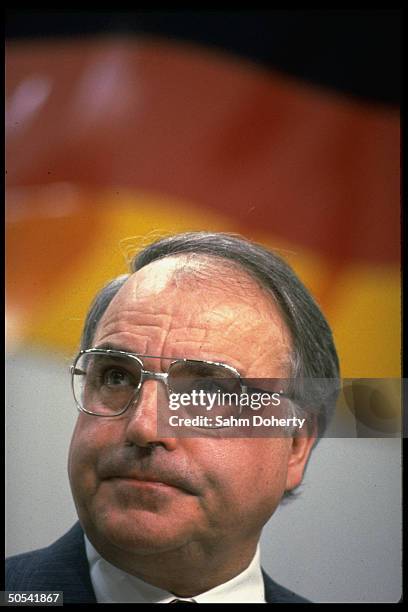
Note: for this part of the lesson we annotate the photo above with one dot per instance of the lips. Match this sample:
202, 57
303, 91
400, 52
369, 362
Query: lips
130, 464
154, 479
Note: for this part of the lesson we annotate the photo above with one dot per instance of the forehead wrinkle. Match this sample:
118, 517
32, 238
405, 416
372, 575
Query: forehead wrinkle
280, 358
231, 331
196, 349
134, 323
127, 341
233, 314
134, 316
143, 333
116, 329
259, 365
132, 313
242, 312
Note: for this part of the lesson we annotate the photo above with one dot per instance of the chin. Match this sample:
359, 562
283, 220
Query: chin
138, 532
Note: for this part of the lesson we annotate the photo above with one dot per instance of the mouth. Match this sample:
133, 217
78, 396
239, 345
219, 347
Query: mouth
150, 483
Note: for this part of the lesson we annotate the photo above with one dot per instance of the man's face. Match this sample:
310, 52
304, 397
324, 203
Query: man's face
212, 490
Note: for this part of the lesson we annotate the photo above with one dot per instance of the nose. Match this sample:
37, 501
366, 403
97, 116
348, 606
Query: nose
143, 417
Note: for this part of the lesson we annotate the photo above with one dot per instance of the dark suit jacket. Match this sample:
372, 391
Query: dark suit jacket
63, 566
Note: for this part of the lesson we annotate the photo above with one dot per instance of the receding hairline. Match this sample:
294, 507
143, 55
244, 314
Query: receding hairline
198, 268
199, 272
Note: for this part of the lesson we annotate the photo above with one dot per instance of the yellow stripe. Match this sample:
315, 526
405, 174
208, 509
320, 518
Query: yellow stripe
362, 303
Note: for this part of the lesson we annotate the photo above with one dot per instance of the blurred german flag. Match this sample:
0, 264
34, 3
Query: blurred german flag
114, 141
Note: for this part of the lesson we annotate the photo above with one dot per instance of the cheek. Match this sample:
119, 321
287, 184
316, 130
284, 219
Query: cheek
250, 475
240, 464
88, 439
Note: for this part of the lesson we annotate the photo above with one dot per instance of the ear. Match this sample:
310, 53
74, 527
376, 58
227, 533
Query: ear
301, 447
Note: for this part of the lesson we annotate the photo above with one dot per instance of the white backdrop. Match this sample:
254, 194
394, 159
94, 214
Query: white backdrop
339, 541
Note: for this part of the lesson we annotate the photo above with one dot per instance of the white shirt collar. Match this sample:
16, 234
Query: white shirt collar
113, 585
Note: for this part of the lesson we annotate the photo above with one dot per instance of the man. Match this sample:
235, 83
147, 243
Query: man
179, 518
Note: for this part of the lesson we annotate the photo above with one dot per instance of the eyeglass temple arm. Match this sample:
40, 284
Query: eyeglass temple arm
75, 370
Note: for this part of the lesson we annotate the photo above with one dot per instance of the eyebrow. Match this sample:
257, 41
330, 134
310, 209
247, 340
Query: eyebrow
114, 347
108, 346
111, 347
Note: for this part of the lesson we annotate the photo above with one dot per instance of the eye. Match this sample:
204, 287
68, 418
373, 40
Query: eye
206, 384
113, 377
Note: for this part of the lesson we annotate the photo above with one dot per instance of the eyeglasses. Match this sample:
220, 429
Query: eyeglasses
105, 382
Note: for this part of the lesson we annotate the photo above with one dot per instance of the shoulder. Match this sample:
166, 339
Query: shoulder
47, 559
276, 593
62, 566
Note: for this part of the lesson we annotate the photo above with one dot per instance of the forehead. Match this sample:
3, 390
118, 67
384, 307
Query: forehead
198, 308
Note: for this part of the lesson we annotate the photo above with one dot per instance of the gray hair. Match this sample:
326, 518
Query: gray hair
314, 356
